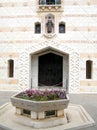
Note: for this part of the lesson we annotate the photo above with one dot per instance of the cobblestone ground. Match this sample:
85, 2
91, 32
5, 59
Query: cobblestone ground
88, 101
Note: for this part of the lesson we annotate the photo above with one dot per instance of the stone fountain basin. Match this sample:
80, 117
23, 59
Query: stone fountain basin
39, 106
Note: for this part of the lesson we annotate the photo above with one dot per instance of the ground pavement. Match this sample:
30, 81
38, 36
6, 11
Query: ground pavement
88, 101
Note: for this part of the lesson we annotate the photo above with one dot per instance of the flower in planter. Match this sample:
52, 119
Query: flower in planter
42, 95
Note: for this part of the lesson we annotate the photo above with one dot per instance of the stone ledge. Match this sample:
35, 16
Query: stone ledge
77, 118
50, 8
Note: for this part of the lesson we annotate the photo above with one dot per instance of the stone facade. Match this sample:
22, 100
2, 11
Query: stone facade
19, 42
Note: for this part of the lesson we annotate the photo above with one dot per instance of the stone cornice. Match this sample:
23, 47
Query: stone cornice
53, 8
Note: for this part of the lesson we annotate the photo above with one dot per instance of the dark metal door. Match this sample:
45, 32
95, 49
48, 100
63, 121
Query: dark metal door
50, 70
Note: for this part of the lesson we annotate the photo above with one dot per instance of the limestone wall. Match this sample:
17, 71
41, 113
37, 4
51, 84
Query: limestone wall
17, 34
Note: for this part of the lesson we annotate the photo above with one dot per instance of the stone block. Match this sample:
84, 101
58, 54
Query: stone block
19, 111
60, 113
41, 115
34, 115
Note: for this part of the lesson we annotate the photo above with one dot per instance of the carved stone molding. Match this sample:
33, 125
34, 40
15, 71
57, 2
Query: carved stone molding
51, 35
50, 8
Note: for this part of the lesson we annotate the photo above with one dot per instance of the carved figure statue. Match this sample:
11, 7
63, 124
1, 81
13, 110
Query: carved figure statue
50, 26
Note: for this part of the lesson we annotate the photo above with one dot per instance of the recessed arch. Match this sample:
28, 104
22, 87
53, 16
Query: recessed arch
49, 49
56, 64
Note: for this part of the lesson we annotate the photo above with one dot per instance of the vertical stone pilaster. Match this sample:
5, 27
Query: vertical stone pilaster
34, 115
37, 115
41, 115
74, 72
60, 113
19, 111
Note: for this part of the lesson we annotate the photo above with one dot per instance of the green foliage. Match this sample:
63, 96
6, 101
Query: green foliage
42, 95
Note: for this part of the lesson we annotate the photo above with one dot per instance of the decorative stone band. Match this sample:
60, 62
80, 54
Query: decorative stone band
31, 16
9, 81
50, 8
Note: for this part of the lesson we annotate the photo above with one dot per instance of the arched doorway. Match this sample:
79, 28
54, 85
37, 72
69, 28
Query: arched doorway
50, 70
28, 61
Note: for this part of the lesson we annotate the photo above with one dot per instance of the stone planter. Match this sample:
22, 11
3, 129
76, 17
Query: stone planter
40, 109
